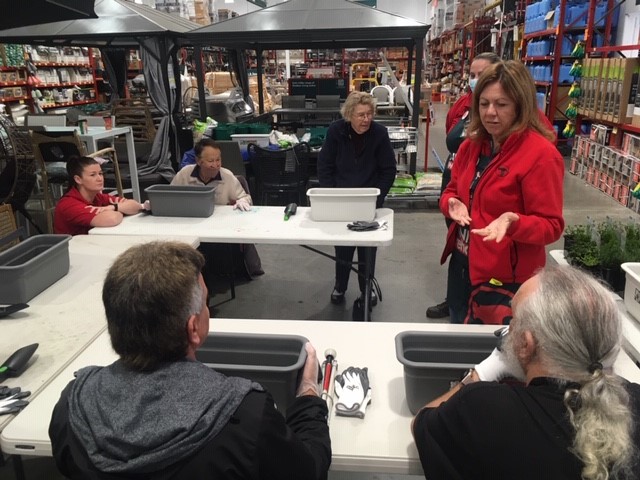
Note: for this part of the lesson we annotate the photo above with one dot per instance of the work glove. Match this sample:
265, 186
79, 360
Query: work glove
242, 204
11, 400
353, 391
497, 366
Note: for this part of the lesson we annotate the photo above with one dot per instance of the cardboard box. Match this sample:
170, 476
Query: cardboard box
622, 105
635, 121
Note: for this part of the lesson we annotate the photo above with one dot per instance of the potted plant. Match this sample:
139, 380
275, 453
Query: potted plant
631, 250
611, 254
582, 250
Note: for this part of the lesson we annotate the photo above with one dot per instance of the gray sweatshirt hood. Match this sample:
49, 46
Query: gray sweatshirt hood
137, 422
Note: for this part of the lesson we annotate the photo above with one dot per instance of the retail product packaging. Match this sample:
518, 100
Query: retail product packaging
604, 89
635, 121
434, 360
274, 361
597, 86
624, 93
631, 144
601, 134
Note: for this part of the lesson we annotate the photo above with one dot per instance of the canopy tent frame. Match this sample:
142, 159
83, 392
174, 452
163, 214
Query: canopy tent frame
331, 24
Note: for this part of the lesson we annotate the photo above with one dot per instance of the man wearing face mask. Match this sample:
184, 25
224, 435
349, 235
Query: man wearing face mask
455, 125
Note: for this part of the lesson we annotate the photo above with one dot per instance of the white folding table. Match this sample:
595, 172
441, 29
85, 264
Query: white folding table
67, 316
381, 442
261, 225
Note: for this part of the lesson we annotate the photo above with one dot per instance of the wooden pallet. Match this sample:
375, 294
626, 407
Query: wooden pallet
137, 114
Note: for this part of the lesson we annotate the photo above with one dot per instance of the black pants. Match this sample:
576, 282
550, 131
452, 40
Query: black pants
345, 254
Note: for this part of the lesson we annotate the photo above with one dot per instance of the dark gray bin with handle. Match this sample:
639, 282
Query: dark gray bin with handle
181, 200
32, 266
432, 360
274, 361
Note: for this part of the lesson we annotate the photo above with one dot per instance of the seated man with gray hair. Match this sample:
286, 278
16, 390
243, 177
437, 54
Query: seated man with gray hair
157, 412
573, 418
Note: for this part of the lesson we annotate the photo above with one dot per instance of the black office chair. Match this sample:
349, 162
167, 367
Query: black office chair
292, 121
282, 174
231, 156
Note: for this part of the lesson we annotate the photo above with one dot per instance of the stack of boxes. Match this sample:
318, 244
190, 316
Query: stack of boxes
614, 171
450, 13
609, 88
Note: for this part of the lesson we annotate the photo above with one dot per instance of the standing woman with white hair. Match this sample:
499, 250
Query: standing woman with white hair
356, 153
572, 419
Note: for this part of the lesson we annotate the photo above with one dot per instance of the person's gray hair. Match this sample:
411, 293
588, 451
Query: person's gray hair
149, 294
576, 324
353, 100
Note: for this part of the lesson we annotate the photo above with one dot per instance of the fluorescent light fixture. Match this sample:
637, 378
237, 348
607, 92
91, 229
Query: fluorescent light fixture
228, 1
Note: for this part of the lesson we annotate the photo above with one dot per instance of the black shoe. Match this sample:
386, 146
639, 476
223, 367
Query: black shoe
358, 311
374, 298
337, 297
438, 311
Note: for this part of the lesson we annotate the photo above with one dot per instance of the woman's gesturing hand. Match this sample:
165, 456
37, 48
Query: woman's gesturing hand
458, 212
497, 229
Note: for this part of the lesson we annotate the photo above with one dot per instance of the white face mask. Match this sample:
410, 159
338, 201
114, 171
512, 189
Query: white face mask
472, 83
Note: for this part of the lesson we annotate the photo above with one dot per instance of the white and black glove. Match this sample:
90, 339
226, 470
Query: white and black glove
497, 366
353, 391
242, 204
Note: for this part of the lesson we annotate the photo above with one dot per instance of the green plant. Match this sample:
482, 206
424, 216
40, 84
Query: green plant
582, 250
631, 251
610, 252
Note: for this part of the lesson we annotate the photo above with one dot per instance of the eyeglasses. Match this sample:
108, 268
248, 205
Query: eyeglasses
363, 116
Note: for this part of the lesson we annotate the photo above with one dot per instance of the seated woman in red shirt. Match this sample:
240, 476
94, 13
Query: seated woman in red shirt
84, 205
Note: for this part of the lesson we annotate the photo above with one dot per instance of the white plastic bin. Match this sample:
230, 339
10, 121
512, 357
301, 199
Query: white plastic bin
343, 204
244, 139
632, 289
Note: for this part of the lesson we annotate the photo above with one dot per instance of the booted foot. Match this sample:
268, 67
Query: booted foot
438, 311
358, 311
337, 297
374, 297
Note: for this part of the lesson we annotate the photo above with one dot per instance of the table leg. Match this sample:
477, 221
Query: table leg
368, 260
133, 166
18, 467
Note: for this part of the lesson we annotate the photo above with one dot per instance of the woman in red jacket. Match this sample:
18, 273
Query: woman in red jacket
505, 197
84, 205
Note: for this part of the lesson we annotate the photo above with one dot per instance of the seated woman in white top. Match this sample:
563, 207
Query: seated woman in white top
208, 169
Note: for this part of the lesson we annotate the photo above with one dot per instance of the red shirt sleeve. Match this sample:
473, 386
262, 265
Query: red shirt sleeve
73, 214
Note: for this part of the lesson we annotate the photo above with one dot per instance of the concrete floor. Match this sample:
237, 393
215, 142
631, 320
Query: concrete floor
297, 283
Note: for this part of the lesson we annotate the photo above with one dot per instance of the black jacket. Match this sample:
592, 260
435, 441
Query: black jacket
339, 166
256, 443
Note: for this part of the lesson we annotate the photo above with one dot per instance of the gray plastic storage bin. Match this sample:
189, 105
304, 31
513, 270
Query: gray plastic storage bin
432, 360
181, 201
273, 361
32, 266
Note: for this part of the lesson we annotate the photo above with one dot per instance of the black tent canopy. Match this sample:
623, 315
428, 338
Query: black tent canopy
123, 24
317, 24
118, 23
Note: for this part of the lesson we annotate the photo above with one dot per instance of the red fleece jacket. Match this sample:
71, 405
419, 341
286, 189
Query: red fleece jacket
525, 177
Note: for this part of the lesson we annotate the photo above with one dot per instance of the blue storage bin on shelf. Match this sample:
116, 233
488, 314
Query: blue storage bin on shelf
564, 76
601, 15
541, 100
545, 47
579, 14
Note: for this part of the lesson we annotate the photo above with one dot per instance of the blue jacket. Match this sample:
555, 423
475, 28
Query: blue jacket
339, 167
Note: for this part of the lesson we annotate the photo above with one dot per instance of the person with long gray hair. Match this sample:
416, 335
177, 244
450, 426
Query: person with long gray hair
573, 418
